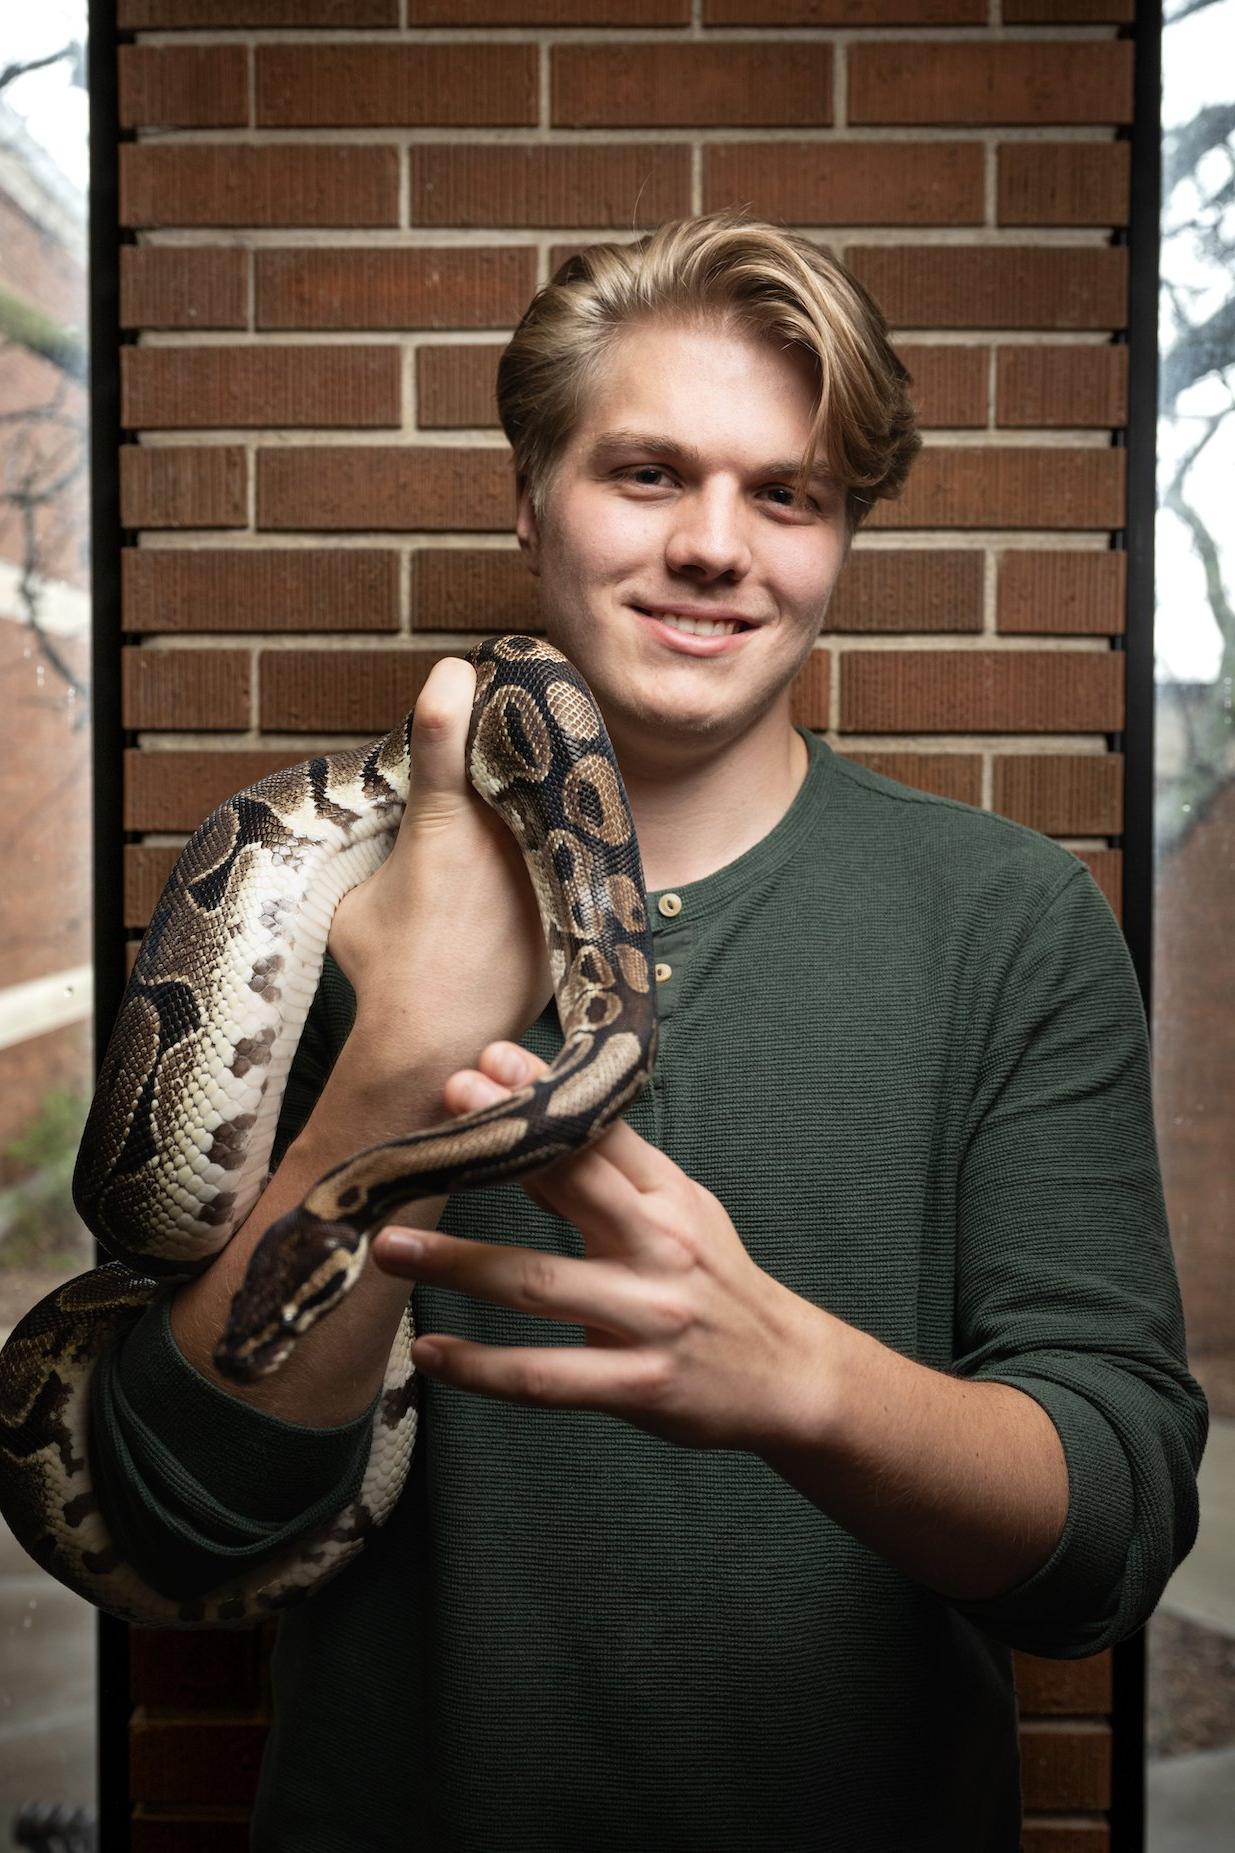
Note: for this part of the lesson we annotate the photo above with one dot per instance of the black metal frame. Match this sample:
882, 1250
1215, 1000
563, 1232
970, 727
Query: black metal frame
112, 1682
1127, 1813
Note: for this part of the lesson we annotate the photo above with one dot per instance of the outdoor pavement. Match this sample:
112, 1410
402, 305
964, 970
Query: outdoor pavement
47, 1663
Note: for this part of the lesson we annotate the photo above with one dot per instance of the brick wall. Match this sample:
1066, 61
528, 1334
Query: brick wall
335, 211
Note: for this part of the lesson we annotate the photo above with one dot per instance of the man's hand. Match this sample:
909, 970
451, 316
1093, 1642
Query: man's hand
962, 1485
687, 1337
443, 943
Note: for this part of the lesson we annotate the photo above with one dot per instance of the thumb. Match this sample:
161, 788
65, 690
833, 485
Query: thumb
440, 722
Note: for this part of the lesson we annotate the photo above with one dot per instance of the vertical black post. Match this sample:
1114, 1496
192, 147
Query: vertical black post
1128, 1705
108, 823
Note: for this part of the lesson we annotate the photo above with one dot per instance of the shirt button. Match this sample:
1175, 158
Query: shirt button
663, 971
669, 905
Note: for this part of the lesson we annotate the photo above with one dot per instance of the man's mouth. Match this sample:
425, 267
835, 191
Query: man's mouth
696, 627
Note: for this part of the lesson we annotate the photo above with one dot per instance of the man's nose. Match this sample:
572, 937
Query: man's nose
710, 532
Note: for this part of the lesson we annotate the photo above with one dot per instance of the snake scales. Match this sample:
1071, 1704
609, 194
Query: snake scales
177, 1145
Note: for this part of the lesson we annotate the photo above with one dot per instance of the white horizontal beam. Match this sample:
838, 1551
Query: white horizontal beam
43, 1004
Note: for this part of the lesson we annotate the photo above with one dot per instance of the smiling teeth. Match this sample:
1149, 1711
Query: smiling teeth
700, 627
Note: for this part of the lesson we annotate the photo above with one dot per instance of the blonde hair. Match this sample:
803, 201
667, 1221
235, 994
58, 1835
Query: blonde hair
722, 269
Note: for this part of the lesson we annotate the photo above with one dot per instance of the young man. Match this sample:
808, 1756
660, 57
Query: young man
754, 1438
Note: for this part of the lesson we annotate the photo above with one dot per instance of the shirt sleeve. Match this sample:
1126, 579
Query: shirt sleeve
196, 1486
1066, 1283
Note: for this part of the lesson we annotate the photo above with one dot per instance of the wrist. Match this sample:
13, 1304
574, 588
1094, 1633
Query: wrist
817, 1371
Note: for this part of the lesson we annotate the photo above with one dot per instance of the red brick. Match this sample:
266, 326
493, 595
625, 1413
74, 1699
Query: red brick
1074, 1835
183, 286
1061, 794
44, 462
1061, 592
738, 84
259, 589
473, 589
548, 12
1080, 81
1107, 868
360, 86
240, 184
561, 249
1068, 12
548, 186
844, 12
207, 1759
166, 486
1065, 1766
1070, 1687
52, 276
949, 384
182, 1667
328, 691
146, 869
1063, 183
1194, 1075
136, 15
177, 790
975, 286
44, 781
849, 183
947, 775
186, 689
1062, 386
981, 691
432, 287
988, 486
809, 694
908, 589
194, 388
185, 86
457, 386
162, 1831
391, 487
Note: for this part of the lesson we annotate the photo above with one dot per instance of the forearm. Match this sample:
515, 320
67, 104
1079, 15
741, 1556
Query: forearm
962, 1485
337, 1367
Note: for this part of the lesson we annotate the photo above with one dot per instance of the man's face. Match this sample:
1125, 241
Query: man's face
627, 526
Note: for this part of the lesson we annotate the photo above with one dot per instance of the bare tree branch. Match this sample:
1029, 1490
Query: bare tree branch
74, 50
1186, 10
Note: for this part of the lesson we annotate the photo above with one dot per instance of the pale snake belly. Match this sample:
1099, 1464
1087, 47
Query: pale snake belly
177, 1145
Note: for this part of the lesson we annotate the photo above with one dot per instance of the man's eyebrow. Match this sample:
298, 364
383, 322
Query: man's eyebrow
610, 442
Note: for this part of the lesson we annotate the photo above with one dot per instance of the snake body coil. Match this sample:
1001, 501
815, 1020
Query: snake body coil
177, 1145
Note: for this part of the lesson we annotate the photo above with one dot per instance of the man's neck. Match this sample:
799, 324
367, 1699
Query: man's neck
694, 821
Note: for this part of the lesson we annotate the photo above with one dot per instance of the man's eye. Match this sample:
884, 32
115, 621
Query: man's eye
654, 469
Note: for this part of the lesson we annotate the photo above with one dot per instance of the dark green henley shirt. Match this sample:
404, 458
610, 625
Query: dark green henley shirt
903, 1044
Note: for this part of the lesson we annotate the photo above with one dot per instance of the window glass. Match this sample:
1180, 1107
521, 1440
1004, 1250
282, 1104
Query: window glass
47, 1634
1191, 1723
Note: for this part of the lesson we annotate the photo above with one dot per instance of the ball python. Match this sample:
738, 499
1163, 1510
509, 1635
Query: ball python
177, 1143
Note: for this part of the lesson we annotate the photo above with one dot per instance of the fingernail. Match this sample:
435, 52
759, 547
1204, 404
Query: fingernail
509, 1064
401, 1247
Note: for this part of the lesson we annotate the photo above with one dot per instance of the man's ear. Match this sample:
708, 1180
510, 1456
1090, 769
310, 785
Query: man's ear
527, 529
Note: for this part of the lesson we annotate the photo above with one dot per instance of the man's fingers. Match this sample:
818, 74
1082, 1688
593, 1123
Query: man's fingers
597, 1179
440, 721
500, 1068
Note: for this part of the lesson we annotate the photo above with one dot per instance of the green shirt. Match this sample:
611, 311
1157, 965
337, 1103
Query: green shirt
903, 1044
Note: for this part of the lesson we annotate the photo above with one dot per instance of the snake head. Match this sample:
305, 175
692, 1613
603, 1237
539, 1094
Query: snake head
300, 1269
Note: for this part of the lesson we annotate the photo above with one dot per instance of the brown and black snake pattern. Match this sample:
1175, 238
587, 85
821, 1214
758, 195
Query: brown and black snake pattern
177, 1145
